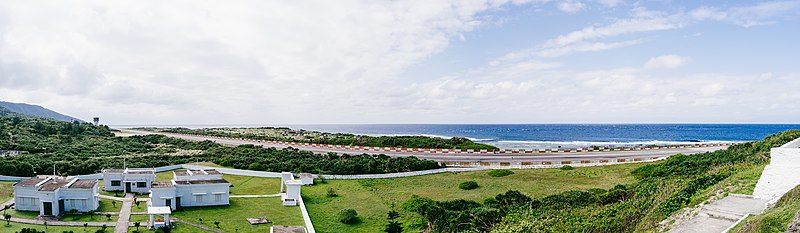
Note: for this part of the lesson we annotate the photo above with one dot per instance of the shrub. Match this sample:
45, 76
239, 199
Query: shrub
468, 185
500, 173
332, 192
567, 168
347, 216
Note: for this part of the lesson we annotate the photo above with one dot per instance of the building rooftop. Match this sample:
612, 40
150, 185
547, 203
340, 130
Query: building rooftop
212, 172
83, 184
288, 229
113, 170
141, 172
53, 184
219, 181
28, 182
163, 184
305, 175
181, 173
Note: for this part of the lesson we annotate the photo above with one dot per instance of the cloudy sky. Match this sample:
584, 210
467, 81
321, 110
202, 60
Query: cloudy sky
495, 61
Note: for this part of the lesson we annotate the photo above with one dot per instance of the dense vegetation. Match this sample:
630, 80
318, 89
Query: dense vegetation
82, 148
336, 138
661, 190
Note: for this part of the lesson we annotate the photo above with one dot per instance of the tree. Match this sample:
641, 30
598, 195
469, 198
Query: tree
347, 216
216, 223
108, 216
332, 192
137, 224
84, 226
394, 226
8, 219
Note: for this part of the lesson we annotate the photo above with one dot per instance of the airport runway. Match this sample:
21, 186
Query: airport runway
608, 156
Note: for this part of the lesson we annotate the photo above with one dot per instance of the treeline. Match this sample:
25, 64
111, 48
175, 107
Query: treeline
81, 148
660, 190
351, 139
276, 160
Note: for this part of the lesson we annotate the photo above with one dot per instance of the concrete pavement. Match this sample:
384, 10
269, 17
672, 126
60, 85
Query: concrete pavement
124, 214
721, 214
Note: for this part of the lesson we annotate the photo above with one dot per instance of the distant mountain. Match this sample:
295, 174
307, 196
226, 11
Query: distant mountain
34, 110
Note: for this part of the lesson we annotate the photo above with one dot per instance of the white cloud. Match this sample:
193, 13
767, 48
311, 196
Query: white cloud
666, 62
611, 3
571, 6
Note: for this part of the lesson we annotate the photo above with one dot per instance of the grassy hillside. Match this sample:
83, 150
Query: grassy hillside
36, 111
372, 198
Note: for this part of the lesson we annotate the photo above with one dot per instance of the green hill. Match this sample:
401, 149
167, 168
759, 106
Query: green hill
34, 110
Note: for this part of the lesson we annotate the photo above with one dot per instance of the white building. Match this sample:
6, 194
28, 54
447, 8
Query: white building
53, 196
191, 188
307, 178
129, 180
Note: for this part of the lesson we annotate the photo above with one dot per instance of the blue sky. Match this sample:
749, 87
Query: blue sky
490, 61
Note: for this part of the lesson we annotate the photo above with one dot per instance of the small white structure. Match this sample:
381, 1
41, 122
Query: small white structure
287, 229
53, 196
290, 189
191, 188
306, 178
158, 223
129, 180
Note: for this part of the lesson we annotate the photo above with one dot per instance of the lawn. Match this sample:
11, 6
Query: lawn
107, 205
248, 185
142, 207
16, 227
22, 214
233, 217
88, 218
371, 198
6, 191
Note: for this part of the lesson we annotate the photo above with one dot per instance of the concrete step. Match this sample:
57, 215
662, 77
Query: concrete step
723, 215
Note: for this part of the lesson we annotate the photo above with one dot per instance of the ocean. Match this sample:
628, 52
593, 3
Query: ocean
544, 136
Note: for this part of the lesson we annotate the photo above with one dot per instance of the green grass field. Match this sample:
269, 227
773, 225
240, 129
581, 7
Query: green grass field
371, 198
16, 227
247, 185
6, 191
233, 217
88, 218
109, 206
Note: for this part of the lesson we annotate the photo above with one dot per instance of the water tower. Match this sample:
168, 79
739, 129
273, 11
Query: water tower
96, 121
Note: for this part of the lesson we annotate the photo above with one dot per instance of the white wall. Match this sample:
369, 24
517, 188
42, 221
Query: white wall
186, 192
158, 197
780, 176
26, 198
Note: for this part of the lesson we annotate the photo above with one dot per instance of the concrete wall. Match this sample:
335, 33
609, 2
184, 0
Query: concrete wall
159, 196
188, 197
11, 178
26, 199
82, 200
781, 175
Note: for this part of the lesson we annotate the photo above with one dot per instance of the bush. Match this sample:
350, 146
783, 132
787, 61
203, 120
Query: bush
468, 185
332, 192
500, 173
567, 168
347, 216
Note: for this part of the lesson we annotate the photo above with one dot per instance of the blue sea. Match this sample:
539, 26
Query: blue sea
543, 136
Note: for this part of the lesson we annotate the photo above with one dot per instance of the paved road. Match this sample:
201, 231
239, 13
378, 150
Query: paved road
491, 157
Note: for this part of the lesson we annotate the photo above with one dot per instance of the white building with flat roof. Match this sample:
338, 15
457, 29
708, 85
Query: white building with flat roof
129, 180
53, 196
191, 188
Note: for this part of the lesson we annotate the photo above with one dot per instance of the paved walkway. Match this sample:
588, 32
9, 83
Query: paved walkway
722, 214
195, 225
112, 198
124, 215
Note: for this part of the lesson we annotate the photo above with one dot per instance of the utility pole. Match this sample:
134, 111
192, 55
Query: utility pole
54, 169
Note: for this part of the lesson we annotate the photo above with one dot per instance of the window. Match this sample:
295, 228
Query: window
141, 184
217, 197
199, 199
83, 203
116, 183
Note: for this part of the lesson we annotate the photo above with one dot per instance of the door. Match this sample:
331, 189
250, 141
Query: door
178, 203
168, 203
127, 187
60, 207
48, 208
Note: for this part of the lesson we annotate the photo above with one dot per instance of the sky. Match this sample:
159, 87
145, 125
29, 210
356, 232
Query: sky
362, 62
